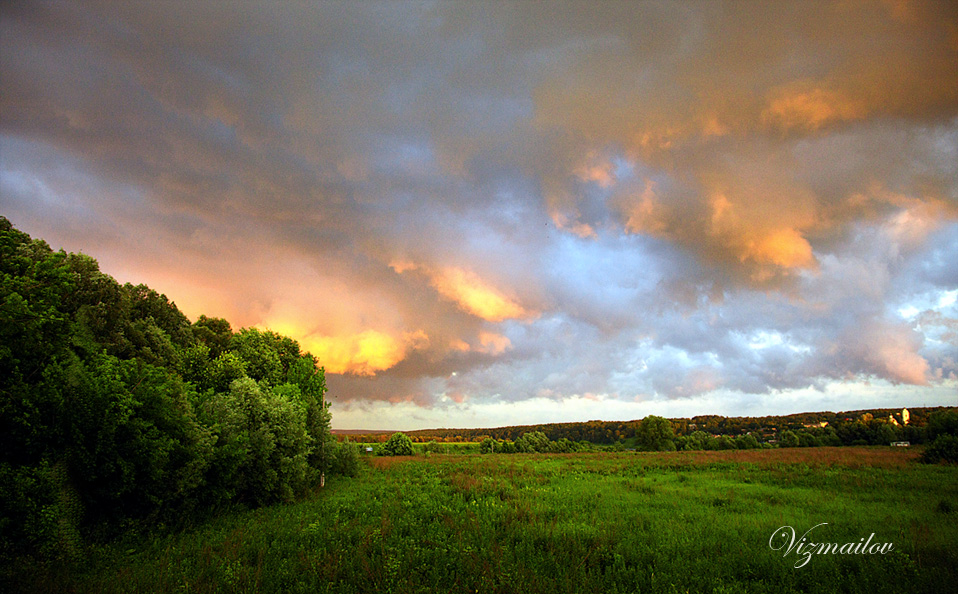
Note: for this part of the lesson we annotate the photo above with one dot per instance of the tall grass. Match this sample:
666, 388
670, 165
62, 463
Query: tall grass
609, 522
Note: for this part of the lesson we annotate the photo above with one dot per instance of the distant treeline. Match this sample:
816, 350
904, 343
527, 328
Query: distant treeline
115, 409
657, 434
859, 427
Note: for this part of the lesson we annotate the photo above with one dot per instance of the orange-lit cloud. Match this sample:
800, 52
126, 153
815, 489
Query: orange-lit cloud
808, 107
489, 343
470, 292
783, 247
364, 353
493, 344
477, 297
597, 171
646, 213
566, 223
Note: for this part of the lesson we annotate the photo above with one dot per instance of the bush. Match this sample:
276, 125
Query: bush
434, 447
487, 446
653, 433
943, 422
943, 449
789, 439
532, 442
264, 441
344, 458
399, 444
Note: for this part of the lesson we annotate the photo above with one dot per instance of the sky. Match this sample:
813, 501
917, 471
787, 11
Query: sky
479, 214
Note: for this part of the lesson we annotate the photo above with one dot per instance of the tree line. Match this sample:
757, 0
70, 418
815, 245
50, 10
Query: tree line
863, 427
658, 434
115, 409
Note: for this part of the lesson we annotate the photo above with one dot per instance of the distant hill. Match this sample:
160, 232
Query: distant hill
608, 432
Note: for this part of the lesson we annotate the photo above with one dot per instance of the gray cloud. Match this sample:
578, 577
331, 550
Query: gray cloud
485, 202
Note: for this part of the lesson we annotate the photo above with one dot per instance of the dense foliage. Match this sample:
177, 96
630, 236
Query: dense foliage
115, 409
942, 433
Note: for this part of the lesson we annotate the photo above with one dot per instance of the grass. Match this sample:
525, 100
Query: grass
606, 522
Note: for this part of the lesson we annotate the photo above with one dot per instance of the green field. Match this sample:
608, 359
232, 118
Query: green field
605, 522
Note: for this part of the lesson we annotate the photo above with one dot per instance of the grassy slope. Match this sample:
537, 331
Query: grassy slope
680, 522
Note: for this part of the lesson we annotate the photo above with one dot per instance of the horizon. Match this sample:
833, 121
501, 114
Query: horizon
814, 412
495, 214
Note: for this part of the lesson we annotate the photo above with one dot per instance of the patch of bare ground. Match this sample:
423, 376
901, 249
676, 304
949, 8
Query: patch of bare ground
849, 457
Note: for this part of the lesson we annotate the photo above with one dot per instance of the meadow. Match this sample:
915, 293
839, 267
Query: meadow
599, 522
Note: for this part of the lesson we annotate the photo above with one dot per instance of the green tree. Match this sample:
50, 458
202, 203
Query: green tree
943, 449
533, 441
697, 440
114, 408
788, 439
885, 434
344, 458
265, 441
487, 446
398, 444
942, 422
215, 333
655, 433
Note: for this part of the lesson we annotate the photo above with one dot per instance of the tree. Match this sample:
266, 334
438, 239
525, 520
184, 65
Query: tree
399, 444
114, 408
698, 440
654, 433
344, 458
534, 441
746, 442
267, 440
942, 431
487, 446
215, 333
943, 422
789, 439
943, 449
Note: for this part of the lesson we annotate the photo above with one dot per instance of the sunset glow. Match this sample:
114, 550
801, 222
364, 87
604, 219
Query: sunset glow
480, 214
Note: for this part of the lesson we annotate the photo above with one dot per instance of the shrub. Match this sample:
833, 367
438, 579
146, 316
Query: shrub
788, 439
487, 446
434, 447
344, 458
653, 433
399, 444
535, 441
943, 422
943, 449
264, 443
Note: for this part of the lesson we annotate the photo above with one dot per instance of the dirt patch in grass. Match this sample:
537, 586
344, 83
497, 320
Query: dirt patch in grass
850, 457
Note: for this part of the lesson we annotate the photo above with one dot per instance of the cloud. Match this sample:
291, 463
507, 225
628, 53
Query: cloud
458, 207
470, 293
805, 106
365, 353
